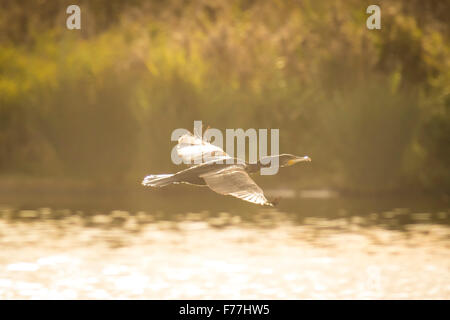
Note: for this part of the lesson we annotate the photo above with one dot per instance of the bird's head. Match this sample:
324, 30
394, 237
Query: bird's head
287, 160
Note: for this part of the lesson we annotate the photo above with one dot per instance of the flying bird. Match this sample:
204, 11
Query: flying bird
209, 167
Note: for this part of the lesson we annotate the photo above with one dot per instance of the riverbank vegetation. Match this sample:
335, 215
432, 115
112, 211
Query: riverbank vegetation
370, 107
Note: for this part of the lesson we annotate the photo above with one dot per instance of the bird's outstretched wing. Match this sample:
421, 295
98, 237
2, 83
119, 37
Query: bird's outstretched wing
235, 181
194, 150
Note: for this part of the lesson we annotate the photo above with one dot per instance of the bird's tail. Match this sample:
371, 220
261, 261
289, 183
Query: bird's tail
158, 180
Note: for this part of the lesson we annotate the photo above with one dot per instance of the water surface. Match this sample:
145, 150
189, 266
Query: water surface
192, 246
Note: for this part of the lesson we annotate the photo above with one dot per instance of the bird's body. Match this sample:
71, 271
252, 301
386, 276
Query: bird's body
217, 170
191, 175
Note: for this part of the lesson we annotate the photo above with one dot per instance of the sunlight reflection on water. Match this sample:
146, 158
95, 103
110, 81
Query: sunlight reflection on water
66, 254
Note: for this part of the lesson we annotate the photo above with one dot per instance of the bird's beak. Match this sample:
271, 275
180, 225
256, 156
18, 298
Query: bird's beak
299, 159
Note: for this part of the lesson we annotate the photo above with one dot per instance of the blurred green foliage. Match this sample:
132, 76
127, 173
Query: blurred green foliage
370, 107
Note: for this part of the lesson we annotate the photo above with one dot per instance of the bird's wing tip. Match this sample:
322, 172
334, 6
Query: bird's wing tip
268, 204
273, 202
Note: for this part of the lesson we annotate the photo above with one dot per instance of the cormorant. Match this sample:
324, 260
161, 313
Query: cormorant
211, 169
